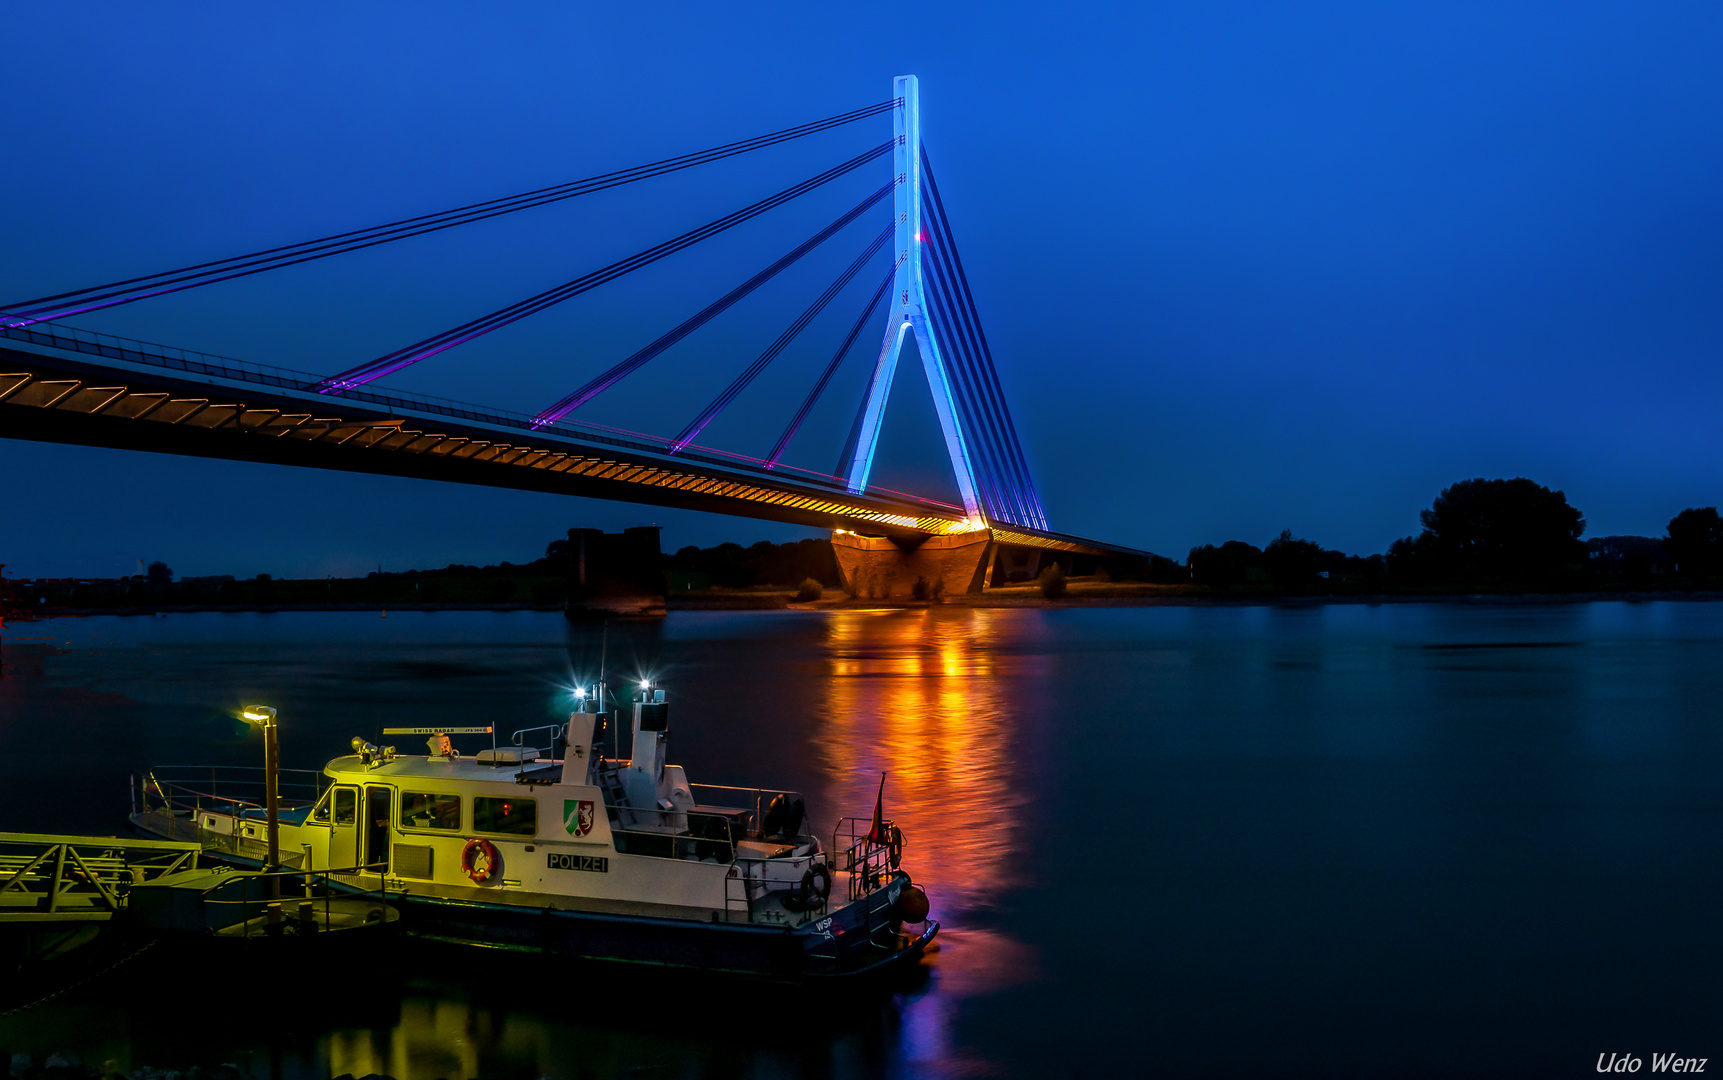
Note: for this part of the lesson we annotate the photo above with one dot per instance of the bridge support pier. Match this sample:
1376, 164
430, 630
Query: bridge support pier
614, 575
884, 568
895, 568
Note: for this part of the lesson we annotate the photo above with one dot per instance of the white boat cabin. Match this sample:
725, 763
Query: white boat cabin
509, 826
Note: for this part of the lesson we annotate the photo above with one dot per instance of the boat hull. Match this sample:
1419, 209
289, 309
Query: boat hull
860, 939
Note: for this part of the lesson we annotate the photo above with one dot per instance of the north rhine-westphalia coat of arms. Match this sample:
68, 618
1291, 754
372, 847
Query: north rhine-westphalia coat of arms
577, 816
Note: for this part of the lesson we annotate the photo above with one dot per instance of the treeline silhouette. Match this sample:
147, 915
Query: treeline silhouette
542, 581
1488, 535
732, 566
1508, 535
727, 565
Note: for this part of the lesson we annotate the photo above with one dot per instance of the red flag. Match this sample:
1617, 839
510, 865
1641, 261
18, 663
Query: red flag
876, 835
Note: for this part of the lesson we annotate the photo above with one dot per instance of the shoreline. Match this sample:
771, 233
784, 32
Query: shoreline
1002, 599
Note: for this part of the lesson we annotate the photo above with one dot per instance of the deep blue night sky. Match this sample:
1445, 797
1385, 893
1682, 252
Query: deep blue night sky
1243, 268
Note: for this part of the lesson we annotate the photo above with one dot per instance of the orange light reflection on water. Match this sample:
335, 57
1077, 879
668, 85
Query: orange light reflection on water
924, 697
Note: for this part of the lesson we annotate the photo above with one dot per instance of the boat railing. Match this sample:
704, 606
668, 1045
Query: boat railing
261, 892
234, 785
747, 881
741, 891
867, 864
519, 739
183, 794
757, 801
677, 834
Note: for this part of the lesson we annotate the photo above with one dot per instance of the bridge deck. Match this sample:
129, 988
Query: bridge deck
63, 385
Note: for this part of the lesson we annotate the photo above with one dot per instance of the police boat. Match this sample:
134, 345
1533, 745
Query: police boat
583, 855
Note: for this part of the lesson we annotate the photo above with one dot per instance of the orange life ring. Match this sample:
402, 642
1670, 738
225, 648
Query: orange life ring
480, 860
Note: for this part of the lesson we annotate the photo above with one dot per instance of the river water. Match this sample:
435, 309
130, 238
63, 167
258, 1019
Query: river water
1344, 840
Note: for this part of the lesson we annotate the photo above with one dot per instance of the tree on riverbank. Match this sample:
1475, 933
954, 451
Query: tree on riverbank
1229, 564
1288, 563
1292, 562
1695, 542
1498, 532
765, 563
1633, 561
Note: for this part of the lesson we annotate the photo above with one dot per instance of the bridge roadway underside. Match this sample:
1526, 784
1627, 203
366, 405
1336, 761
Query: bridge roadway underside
53, 399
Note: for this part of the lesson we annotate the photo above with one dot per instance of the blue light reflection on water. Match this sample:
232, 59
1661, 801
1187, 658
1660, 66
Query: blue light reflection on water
1228, 839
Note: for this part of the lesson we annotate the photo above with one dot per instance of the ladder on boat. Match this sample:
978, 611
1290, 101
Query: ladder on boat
615, 795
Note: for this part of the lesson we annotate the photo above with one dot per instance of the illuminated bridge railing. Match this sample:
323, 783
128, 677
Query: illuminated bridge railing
209, 365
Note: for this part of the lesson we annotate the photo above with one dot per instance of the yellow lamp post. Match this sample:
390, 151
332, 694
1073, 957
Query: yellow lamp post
264, 717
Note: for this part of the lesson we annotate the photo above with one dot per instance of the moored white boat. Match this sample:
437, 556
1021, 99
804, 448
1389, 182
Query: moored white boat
578, 853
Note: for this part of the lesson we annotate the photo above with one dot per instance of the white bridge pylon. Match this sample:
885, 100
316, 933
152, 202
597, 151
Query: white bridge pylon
986, 459
909, 315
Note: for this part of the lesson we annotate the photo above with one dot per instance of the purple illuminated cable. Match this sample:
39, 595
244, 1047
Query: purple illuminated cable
989, 370
959, 340
982, 424
776, 348
616, 374
989, 485
955, 329
831, 369
114, 293
1015, 458
995, 486
448, 339
840, 470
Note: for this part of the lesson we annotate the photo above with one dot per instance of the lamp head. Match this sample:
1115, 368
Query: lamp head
258, 715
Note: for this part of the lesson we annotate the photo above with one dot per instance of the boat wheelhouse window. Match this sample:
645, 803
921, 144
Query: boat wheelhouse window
346, 805
320, 812
425, 810
516, 817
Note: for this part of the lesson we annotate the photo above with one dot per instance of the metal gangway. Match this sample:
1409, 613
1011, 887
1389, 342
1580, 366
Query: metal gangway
49, 878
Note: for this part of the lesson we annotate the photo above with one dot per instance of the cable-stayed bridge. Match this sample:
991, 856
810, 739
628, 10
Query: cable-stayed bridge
59, 383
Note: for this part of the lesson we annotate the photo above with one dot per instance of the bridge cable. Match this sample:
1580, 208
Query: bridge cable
448, 339
947, 319
831, 369
1013, 447
614, 375
846, 456
96, 297
994, 487
776, 348
956, 340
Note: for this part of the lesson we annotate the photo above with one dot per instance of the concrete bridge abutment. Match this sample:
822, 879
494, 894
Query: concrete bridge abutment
888, 568
927, 568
